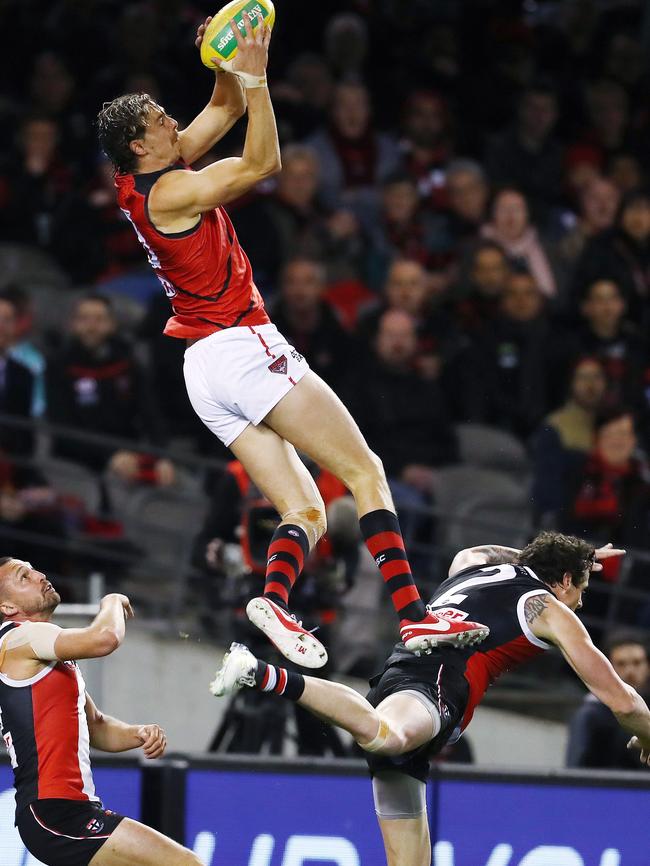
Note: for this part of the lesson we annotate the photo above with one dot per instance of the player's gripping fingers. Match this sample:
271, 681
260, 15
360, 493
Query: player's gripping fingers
266, 36
153, 740
200, 33
248, 27
239, 39
259, 32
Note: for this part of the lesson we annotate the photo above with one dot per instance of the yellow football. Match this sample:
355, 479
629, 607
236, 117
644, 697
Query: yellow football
219, 40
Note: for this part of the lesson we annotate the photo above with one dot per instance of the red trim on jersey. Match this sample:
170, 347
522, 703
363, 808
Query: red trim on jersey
384, 541
483, 668
56, 731
292, 381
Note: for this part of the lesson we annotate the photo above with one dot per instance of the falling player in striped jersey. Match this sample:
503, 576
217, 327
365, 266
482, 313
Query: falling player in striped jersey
419, 704
247, 384
49, 723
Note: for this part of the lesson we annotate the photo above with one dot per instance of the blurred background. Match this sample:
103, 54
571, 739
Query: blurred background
459, 242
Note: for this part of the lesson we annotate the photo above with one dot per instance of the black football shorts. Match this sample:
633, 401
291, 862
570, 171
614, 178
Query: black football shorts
65, 832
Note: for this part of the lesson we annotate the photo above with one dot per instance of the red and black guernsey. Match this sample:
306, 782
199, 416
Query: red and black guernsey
204, 271
494, 595
45, 731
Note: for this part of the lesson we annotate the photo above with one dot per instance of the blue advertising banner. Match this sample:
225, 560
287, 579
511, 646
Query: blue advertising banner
118, 787
507, 824
277, 819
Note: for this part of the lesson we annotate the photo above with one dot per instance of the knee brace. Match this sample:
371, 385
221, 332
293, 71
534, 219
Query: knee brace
397, 795
312, 519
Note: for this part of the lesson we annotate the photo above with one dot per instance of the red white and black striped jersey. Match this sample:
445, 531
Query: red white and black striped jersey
204, 271
494, 595
45, 730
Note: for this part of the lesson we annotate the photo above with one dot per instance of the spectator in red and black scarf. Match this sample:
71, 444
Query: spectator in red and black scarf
610, 496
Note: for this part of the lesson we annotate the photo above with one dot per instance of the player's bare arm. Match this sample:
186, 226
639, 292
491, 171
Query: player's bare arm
484, 554
554, 622
227, 104
111, 735
179, 197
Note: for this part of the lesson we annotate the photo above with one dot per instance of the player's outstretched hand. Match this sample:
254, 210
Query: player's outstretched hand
606, 552
643, 747
154, 741
252, 47
200, 32
122, 599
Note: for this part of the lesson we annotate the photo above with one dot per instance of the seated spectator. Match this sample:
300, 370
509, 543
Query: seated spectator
564, 438
609, 495
468, 192
488, 270
291, 221
606, 334
24, 350
16, 387
353, 156
309, 323
621, 254
95, 385
90, 218
599, 201
407, 289
528, 155
34, 184
624, 169
596, 739
401, 228
511, 228
608, 117
302, 99
29, 505
427, 144
403, 416
511, 359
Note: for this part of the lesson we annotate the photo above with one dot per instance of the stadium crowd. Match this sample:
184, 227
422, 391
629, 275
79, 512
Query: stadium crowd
460, 235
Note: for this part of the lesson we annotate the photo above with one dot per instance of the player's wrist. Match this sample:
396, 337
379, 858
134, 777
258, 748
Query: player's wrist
251, 80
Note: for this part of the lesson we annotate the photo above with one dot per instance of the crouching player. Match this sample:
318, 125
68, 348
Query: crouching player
419, 703
49, 723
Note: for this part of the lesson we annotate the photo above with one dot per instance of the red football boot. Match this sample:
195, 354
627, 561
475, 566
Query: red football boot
435, 630
286, 633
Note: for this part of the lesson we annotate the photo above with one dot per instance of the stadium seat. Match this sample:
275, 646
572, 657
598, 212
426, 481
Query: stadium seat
492, 448
72, 479
480, 506
30, 267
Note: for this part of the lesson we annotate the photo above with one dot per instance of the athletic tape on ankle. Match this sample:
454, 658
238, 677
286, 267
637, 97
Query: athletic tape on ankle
249, 81
380, 740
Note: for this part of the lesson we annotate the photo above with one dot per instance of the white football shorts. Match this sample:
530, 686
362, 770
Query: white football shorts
236, 376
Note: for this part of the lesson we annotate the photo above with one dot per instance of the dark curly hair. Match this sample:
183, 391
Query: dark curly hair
119, 123
551, 554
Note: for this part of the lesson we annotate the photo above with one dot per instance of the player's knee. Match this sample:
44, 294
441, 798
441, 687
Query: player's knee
313, 520
191, 859
389, 740
369, 470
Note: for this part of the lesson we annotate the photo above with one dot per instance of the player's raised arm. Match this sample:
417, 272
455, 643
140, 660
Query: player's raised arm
554, 622
227, 104
188, 194
102, 637
111, 735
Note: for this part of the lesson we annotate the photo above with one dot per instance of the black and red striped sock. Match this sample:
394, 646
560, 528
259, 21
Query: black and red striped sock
383, 537
280, 681
288, 551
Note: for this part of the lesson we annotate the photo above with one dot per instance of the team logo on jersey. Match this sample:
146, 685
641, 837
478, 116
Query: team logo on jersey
451, 613
95, 826
279, 365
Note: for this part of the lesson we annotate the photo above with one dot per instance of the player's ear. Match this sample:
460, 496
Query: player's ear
567, 580
8, 608
137, 146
